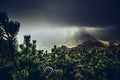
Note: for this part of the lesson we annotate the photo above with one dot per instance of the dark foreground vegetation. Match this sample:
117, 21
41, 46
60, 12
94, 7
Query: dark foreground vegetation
24, 62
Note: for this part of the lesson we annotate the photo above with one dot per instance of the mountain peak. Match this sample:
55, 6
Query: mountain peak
100, 43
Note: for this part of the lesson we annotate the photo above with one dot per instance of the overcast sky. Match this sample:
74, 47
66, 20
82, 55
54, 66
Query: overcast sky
65, 21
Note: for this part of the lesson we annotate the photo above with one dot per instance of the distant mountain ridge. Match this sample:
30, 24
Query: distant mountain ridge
100, 43
91, 44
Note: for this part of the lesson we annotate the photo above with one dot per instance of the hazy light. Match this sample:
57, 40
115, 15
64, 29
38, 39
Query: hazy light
47, 35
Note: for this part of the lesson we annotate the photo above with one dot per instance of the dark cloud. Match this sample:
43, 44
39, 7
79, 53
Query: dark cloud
105, 34
82, 35
70, 12
108, 34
